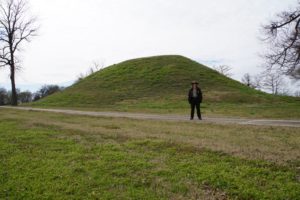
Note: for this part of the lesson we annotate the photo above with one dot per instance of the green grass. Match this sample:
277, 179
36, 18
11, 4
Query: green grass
56, 156
160, 84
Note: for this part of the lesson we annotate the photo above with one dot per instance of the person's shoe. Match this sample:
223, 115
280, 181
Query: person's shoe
200, 118
191, 118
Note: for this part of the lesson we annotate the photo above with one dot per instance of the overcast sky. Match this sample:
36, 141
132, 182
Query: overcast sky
74, 33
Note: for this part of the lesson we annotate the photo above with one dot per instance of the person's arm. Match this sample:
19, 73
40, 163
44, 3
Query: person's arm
189, 97
200, 95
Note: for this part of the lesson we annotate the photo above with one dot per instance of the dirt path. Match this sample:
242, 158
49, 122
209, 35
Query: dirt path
242, 121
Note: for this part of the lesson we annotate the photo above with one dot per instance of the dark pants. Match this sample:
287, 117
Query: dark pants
197, 105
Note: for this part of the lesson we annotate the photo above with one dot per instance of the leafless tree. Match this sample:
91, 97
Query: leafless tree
25, 97
96, 66
285, 92
16, 27
283, 38
257, 82
47, 90
223, 69
254, 82
273, 82
80, 77
247, 80
297, 93
3, 96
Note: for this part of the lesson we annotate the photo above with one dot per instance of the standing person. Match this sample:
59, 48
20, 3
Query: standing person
195, 98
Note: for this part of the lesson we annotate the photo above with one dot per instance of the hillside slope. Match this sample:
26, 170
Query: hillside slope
157, 83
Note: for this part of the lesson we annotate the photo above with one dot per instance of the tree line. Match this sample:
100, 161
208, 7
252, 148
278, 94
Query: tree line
274, 83
27, 96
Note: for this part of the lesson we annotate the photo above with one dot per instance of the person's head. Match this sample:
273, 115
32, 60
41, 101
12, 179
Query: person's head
195, 84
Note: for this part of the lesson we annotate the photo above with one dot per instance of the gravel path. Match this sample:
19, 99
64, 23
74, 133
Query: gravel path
242, 121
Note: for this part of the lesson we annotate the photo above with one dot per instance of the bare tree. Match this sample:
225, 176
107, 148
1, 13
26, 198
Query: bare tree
3, 96
25, 97
257, 82
15, 28
47, 90
283, 36
223, 69
254, 82
96, 66
285, 92
80, 77
247, 80
273, 82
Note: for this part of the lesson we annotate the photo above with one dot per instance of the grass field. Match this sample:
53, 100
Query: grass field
56, 156
160, 85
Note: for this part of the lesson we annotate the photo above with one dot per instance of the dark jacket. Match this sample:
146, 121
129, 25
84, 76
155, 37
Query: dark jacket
198, 99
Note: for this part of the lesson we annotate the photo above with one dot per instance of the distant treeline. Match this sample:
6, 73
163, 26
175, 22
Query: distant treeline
27, 96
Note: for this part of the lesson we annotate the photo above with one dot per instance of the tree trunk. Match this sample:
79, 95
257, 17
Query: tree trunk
14, 96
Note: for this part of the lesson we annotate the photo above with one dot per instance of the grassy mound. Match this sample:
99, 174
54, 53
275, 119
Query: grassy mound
158, 84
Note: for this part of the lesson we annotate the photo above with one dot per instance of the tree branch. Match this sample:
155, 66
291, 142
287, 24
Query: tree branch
292, 18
